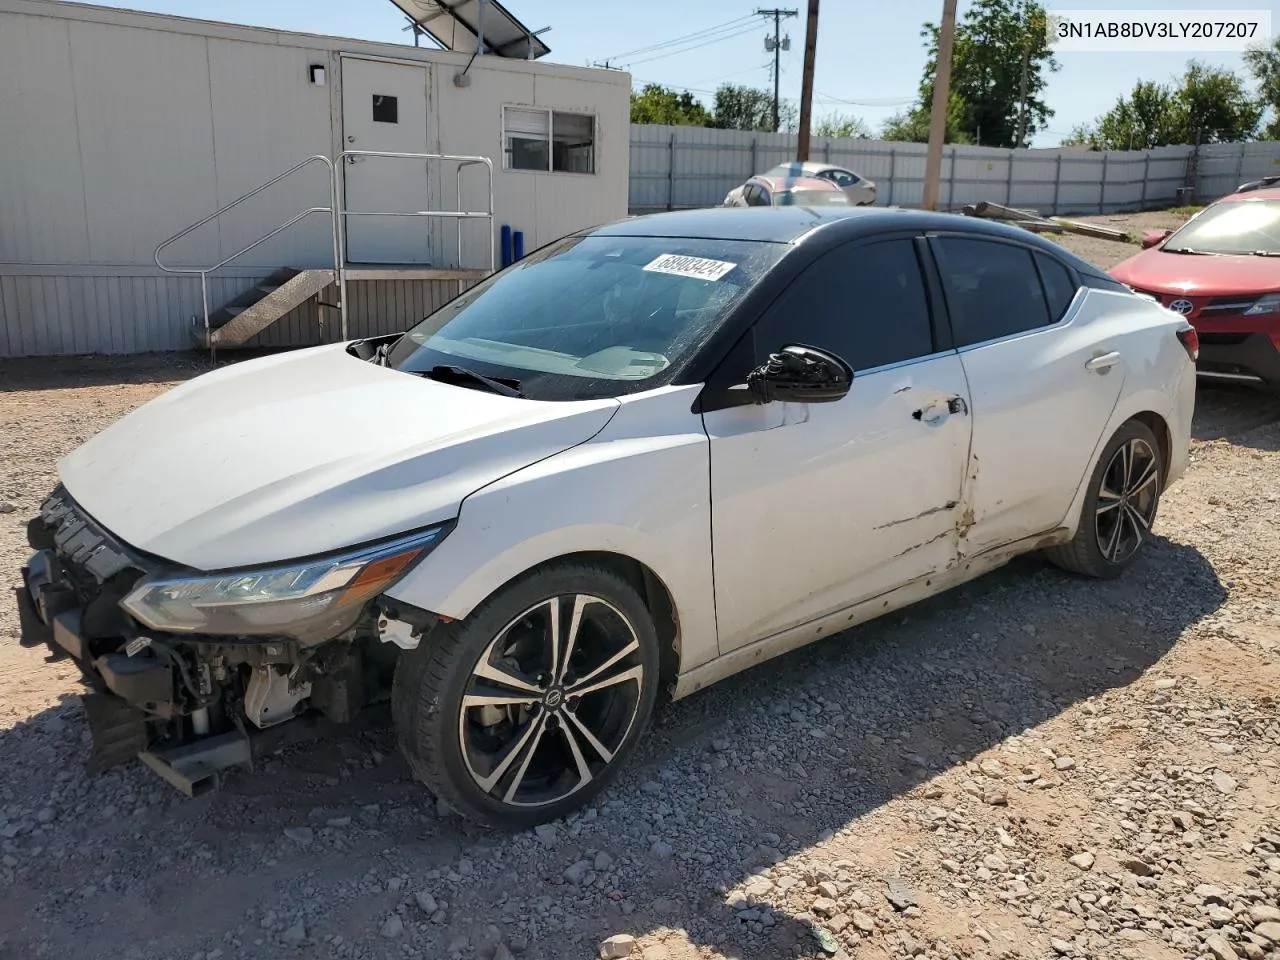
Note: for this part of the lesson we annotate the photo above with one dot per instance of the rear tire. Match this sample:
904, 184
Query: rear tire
1119, 508
528, 708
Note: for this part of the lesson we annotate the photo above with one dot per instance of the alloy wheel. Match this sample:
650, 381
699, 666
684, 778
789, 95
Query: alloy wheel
551, 700
1127, 498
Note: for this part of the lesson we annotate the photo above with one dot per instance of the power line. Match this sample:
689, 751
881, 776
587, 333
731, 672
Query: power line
681, 39
695, 46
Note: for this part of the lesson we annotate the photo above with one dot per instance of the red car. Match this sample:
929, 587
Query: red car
1221, 270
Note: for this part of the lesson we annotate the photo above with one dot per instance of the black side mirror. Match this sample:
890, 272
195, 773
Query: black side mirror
800, 374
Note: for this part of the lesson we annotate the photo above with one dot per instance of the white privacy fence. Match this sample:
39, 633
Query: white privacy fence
675, 168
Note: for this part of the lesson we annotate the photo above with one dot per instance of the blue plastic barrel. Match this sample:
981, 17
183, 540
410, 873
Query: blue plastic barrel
517, 244
506, 245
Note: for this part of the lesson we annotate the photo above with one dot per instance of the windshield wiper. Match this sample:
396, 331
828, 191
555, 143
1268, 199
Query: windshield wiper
443, 370
1266, 253
1189, 250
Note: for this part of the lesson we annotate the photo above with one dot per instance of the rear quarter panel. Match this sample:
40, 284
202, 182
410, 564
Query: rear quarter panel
1160, 378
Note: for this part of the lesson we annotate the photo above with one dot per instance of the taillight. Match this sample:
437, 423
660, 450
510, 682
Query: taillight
1190, 341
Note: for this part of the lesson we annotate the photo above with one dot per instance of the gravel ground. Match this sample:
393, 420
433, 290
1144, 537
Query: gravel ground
1032, 766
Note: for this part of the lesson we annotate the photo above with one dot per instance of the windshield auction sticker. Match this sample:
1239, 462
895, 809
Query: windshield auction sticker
695, 267
1139, 31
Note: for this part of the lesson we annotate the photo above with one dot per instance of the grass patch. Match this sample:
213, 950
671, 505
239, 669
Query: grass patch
1185, 211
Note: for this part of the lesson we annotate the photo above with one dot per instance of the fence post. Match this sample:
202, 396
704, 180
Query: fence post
671, 174
951, 181
1102, 193
1008, 186
1146, 176
1239, 166
754, 171
826, 151
893, 171
1057, 183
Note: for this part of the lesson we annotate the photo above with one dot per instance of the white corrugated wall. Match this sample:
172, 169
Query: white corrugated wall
681, 167
118, 129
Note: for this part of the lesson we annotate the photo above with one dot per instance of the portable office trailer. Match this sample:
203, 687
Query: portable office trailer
120, 129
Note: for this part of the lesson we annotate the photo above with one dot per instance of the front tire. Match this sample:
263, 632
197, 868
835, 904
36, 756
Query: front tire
527, 709
1119, 506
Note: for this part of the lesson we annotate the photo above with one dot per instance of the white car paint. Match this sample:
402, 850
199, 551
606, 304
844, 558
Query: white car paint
638, 488
826, 504
306, 453
769, 525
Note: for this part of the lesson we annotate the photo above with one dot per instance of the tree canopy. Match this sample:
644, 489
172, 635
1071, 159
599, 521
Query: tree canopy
659, 104
1206, 105
999, 63
842, 125
1264, 64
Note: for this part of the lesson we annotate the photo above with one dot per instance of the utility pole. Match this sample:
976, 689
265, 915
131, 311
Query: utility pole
806, 85
1022, 94
941, 96
777, 45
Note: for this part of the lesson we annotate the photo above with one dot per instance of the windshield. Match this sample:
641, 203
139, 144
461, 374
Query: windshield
810, 198
590, 317
1236, 226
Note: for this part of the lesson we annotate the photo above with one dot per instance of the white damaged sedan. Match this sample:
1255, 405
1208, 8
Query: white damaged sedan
641, 459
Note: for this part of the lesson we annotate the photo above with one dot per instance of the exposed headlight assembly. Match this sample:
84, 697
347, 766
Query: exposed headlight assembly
309, 600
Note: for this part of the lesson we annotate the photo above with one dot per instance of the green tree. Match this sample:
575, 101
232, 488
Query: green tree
842, 125
1216, 106
999, 63
659, 104
1264, 64
1151, 116
739, 107
1081, 135
913, 125
1206, 104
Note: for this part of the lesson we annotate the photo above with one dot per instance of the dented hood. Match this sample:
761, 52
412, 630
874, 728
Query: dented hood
305, 453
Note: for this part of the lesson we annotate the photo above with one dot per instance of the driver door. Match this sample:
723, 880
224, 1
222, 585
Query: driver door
817, 506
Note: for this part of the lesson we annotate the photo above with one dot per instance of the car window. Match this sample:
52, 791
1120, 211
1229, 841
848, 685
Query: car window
810, 198
762, 196
590, 316
1233, 226
1059, 288
842, 178
992, 289
866, 303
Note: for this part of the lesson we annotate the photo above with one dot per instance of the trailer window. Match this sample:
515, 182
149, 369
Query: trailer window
548, 140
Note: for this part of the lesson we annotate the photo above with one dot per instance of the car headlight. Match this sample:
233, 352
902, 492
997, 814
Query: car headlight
1268, 304
300, 599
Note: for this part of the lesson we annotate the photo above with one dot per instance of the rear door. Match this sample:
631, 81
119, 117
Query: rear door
1042, 378
818, 506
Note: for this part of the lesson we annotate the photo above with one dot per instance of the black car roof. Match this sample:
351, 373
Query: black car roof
790, 225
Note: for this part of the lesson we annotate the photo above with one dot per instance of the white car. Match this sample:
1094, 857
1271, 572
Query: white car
860, 191
640, 460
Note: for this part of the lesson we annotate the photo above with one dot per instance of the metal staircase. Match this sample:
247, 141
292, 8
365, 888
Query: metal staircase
268, 300
261, 305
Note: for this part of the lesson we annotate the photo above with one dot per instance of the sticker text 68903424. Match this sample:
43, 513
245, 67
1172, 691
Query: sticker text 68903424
683, 266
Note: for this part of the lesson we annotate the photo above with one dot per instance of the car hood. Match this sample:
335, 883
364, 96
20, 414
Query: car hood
305, 453
1204, 276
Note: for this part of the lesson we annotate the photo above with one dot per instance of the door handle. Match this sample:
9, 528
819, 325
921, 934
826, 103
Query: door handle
1103, 362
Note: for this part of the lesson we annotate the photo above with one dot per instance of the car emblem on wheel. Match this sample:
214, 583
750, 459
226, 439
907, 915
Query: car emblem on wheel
1182, 306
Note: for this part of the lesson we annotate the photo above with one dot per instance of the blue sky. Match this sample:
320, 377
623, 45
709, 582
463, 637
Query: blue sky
868, 62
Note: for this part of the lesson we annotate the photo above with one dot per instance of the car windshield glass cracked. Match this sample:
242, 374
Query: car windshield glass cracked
590, 317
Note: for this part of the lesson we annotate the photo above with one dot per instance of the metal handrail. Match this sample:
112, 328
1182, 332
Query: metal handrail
337, 220
204, 272
460, 160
